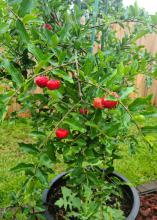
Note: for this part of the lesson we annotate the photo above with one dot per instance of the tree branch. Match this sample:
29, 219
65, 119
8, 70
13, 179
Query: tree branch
14, 13
50, 68
57, 125
77, 77
127, 20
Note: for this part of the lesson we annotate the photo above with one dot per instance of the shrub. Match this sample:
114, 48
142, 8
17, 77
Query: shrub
84, 113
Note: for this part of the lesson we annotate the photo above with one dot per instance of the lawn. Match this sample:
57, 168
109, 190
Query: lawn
10, 155
138, 168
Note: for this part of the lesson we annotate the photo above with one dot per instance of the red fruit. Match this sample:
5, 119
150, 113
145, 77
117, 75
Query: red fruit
47, 26
62, 133
109, 103
98, 103
53, 84
41, 81
84, 111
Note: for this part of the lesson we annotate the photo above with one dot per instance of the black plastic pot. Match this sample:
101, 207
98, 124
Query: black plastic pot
130, 192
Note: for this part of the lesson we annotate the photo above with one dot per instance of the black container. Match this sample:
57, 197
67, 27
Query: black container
130, 192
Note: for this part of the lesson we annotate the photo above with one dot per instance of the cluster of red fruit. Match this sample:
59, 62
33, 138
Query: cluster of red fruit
43, 81
99, 103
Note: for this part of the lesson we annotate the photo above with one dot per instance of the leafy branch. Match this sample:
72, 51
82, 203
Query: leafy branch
62, 119
125, 108
48, 69
125, 21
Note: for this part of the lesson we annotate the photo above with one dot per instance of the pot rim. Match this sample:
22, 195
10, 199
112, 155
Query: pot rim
135, 195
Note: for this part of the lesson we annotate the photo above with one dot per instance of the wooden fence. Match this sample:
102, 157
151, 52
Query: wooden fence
149, 41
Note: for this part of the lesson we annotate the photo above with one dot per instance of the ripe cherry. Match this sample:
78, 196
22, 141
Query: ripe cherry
62, 133
98, 103
53, 84
109, 103
41, 81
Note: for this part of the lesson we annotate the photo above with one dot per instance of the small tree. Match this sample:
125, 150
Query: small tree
84, 114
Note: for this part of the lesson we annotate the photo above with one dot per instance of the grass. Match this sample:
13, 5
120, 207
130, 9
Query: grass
10, 155
138, 168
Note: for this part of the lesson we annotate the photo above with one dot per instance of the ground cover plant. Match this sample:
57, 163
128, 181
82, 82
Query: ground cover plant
83, 116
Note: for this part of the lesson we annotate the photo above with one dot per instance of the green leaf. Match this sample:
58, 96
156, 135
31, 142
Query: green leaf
61, 55
92, 124
111, 78
54, 40
68, 79
29, 17
3, 28
134, 67
154, 19
40, 65
37, 52
51, 151
45, 160
140, 103
150, 114
88, 66
75, 126
149, 129
41, 217
60, 203
126, 92
3, 112
29, 148
12, 2
66, 192
136, 9
15, 74
62, 74
22, 167
42, 176
22, 31
140, 35
64, 33
76, 202
25, 7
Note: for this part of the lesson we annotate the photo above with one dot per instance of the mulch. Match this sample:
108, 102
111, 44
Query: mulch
148, 199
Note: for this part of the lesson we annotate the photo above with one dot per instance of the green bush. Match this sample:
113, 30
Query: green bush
83, 116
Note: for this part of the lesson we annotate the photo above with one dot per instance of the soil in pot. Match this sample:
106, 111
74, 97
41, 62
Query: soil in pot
148, 209
55, 193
